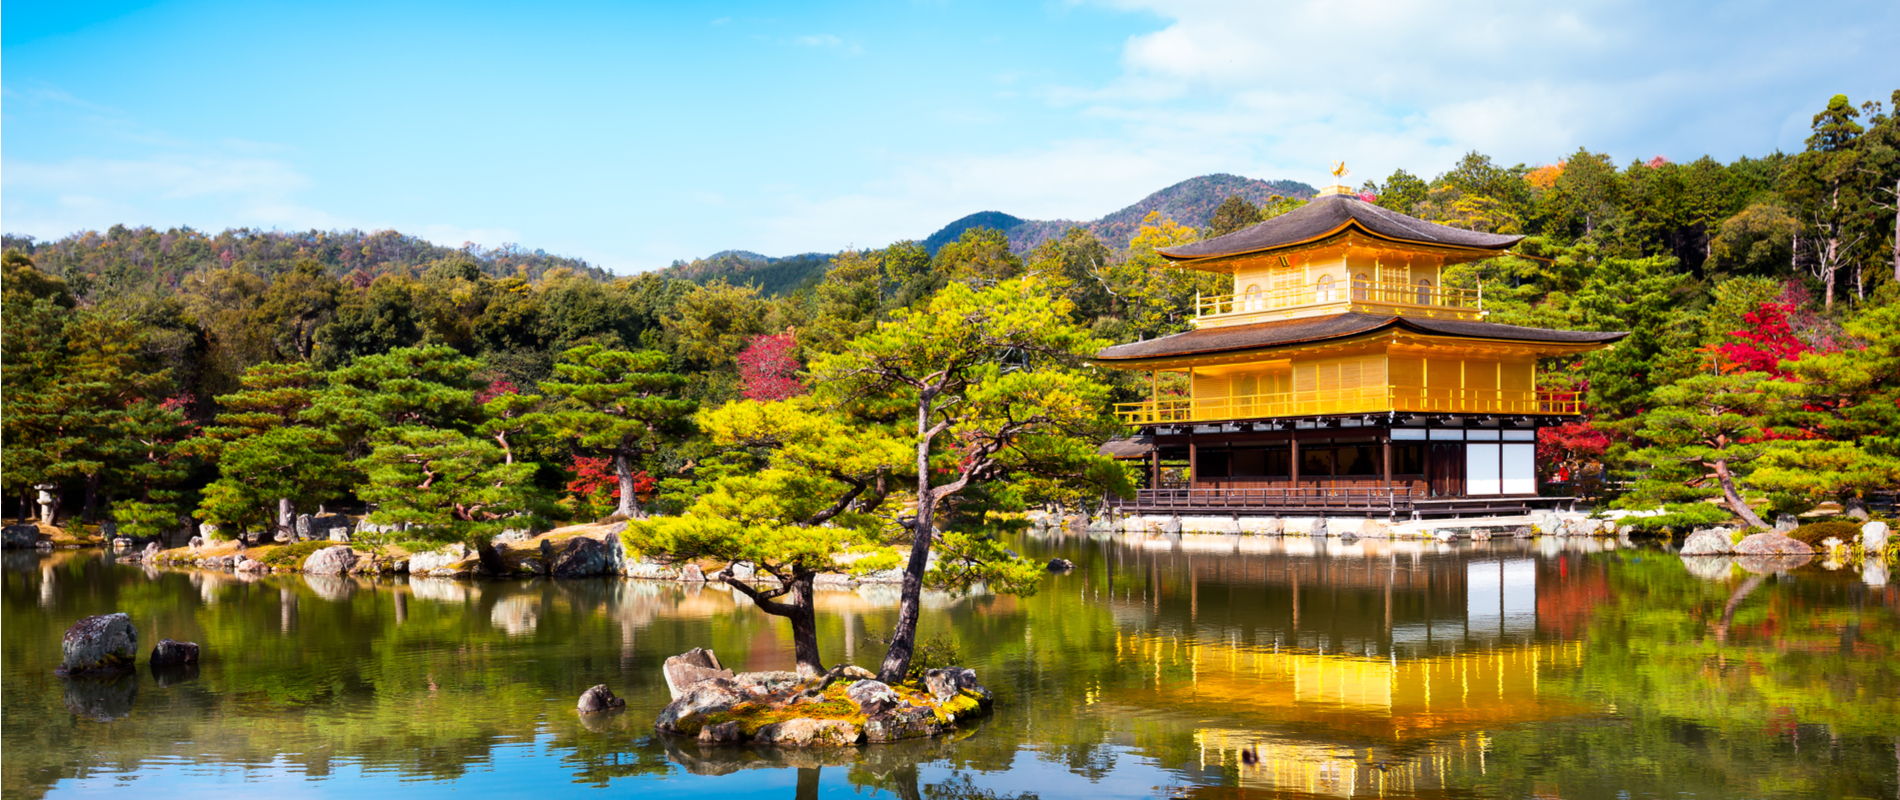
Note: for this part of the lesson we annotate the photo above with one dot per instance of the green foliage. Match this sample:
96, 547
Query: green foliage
1701, 438
445, 485
1231, 215
301, 463
1814, 532
620, 404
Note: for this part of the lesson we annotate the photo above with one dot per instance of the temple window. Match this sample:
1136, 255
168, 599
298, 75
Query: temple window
1323, 289
1424, 291
1361, 287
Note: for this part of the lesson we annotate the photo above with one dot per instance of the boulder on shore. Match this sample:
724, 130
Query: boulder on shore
1873, 536
599, 698
581, 557
1707, 542
168, 653
1771, 543
330, 561
20, 537
102, 643
450, 560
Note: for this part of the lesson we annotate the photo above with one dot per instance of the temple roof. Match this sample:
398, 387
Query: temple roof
1331, 214
1279, 333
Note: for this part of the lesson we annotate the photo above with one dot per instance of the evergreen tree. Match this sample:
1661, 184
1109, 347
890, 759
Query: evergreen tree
983, 383
799, 499
1700, 438
1231, 215
618, 404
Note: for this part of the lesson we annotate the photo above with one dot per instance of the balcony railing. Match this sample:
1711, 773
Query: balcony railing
1351, 401
1390, 296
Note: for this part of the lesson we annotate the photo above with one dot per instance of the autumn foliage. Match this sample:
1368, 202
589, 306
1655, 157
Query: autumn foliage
767, 369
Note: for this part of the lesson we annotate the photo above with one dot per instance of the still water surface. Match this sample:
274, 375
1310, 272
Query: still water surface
1208, 668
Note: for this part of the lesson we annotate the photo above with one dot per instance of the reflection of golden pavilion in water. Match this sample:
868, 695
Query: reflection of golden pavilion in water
1360, 677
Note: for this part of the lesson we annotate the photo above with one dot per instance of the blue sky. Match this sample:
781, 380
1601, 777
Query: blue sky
632, 134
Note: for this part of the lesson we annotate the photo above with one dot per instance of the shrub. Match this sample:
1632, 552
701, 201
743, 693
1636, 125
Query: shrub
1814, 532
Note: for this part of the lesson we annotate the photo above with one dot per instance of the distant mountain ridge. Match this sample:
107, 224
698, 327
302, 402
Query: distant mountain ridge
1190, 202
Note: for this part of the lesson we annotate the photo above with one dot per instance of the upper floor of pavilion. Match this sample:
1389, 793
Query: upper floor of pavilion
1338, 254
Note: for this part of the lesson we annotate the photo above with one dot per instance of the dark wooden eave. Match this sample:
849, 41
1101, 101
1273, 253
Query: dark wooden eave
1331, 215
1281, 333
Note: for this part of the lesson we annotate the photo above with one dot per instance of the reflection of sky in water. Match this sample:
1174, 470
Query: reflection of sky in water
1373, 668
536, 768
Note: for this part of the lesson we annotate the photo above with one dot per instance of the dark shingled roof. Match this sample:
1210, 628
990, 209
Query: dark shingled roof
1131, 447
1327, 213
1337, 326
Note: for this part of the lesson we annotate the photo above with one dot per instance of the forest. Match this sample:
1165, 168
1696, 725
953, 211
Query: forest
156, 380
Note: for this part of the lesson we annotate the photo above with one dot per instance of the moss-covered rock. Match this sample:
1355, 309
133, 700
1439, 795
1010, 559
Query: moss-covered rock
829, 710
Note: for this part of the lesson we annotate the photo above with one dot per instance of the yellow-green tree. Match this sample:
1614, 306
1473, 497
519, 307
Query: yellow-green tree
983, 384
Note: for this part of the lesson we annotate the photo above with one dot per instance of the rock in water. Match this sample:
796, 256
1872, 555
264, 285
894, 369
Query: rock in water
688, 669
330, 561
721, 733
581, 557
20, 537
102, 643
1873, 536
684, 714
942, 684
1060, 565
168, 653
873, 697
904, 722
1772, 544
599, 698
806, 732
1706, 542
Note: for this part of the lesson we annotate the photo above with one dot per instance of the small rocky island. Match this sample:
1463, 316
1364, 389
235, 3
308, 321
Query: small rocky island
846, 705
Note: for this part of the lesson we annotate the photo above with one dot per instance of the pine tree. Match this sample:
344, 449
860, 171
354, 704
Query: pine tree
1701, 437
617, 404
1231, 215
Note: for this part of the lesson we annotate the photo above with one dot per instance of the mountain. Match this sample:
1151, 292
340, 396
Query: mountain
1190, 202
773, 275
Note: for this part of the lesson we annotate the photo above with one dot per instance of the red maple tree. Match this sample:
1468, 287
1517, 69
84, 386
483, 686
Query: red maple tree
767, 369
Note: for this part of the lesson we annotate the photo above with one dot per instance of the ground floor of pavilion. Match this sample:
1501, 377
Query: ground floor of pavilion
1396, 465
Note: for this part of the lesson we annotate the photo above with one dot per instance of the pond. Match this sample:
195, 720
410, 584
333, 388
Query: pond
1216, 667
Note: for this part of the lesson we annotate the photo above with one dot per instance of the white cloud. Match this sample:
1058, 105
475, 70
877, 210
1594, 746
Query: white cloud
1282, 89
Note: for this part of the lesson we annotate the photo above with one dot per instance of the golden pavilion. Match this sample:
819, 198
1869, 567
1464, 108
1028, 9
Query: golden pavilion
1342, 375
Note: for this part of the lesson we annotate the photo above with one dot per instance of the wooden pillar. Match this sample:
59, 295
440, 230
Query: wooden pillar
1385, 443
1154, 463
1293, 468
1194, 461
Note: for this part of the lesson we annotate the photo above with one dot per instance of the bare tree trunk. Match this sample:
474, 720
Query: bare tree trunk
1896, 229
923, 530
1734, 497
89, 509
1829, 267
623, 469
804, 619
801, 612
